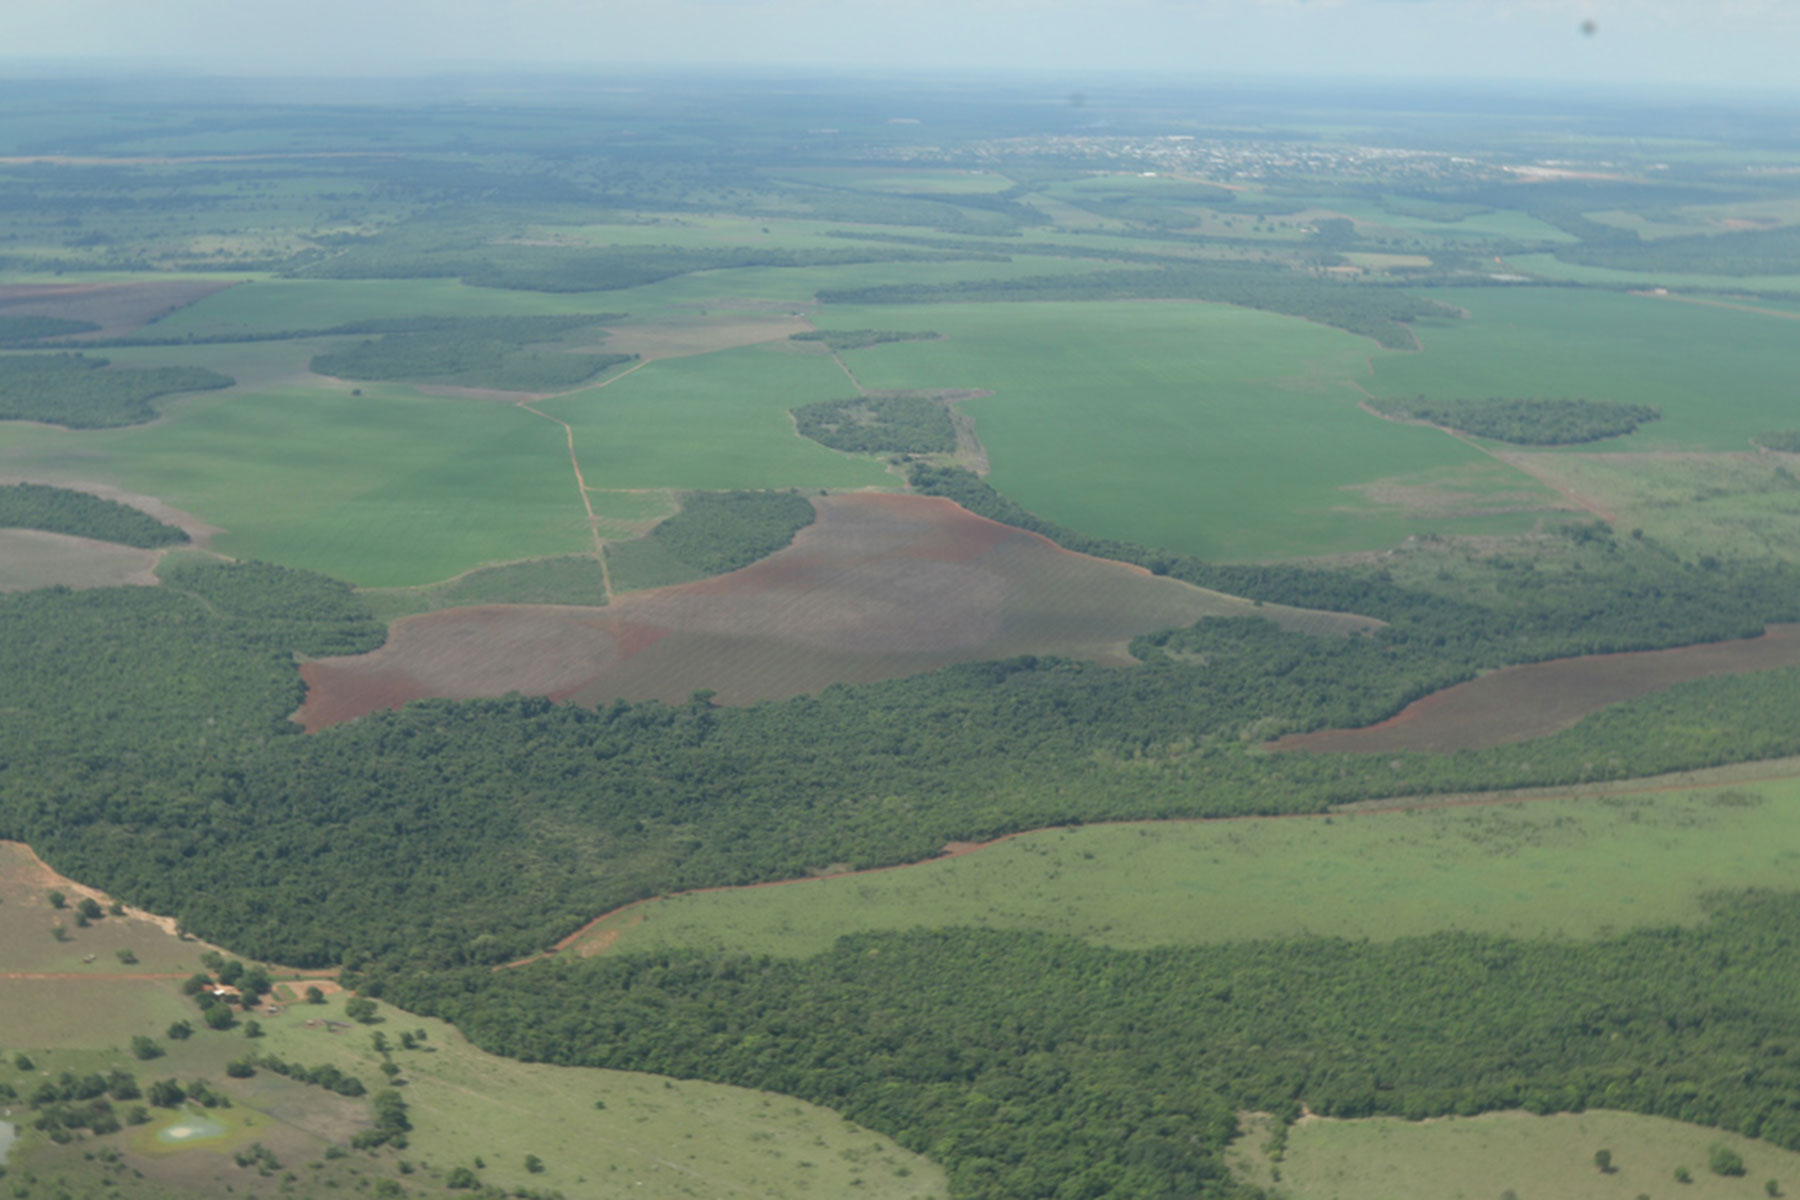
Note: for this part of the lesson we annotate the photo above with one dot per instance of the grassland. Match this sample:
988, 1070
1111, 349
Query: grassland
597, 1132
1509, 1154
1242, 428
1577, 867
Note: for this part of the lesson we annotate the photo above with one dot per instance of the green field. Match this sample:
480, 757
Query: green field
1509, 1154
1719, 376
712, 422
1242, 428
1558, 868
1548, 266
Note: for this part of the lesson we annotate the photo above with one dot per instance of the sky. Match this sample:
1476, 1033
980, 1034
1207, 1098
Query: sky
1705, 43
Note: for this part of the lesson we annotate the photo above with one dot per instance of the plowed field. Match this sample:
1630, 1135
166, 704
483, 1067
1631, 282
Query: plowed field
880, 586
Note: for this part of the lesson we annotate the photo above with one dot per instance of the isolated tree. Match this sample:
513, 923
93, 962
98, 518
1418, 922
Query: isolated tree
360, 1008
90, 908
1683, 1175
1772, 1187
180, 1031
534, 1164
314, 996
167, 1093
144, 1049
57, 899
1723, 1160
253, 1029
1603, 1160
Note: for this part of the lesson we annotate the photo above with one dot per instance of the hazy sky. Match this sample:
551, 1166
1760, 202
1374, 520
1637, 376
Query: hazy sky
1707, 42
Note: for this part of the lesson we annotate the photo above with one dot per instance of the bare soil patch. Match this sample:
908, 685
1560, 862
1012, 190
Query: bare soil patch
702, 334
118, 308
1514, 704
31, 558
880, 586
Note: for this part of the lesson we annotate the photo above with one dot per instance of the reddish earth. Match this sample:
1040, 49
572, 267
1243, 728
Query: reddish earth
879, 586
118, 308
1517, 703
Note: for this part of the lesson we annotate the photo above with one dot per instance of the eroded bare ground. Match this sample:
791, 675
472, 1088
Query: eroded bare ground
880, 586
118, 308
1517, 703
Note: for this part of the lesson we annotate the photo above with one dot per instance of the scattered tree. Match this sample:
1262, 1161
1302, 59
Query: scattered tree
1723, 1160
57, 899
144, 1049
360, 1008
1683, 1175
1603, 1160
314, 996
535, 1165
180, 1031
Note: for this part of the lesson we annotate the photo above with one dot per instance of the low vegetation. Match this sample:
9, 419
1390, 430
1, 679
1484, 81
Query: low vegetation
880, 424
1787, 441
79, 392
861, 339
1528, 420
30, 329
60, 510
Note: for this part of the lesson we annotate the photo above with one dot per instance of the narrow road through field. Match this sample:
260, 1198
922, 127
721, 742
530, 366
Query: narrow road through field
581, 482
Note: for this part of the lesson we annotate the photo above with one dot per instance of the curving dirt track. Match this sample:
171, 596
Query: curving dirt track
879, 586
1517, 703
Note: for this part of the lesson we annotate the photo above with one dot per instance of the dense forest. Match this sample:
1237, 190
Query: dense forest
1744, 252
1527, 420
15, 329
880, 424
60, 510
716, 532
487, 352
79, 392
1381, 313
1038, 1067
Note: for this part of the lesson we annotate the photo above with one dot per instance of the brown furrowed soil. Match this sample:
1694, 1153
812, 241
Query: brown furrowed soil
1517, 703
878, 587
31, 558
118, 308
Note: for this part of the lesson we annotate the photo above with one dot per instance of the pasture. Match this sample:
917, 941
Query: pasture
1509, 1154
596, 1131
31, 558
1574, 867
1242, 428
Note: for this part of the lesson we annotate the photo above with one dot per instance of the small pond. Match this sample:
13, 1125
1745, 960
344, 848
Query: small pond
192, 1127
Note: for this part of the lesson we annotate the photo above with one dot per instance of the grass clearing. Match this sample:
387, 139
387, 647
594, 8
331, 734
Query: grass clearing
1576, 867
1509, 1154
31, 558
1242, 427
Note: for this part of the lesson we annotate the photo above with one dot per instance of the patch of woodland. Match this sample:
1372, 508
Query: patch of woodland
15, 329
1023, 1061
880, 423
1742, 252
78, 514
1380, 312
862, 339
79, 392
1527, 420
487, 352
716, 532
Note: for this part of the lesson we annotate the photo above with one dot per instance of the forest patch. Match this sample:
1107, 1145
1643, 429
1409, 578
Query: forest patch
1527, 420
79, 392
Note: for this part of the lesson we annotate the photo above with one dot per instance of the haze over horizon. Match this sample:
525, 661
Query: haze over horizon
1744, 44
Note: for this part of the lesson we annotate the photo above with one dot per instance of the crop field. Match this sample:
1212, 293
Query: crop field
1608, 346
73, 1005
1564, 868
1511, 1154
1547, 266
1514, 704
31, 558
1242, 428
878, 586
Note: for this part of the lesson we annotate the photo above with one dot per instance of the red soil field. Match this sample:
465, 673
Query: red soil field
879, 586
1514, 704
118, 308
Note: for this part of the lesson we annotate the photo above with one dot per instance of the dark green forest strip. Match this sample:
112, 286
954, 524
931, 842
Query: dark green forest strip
60, 510
485, 352
879, 424
81, 393
716, 532
1527, 420
862, 339
1023, 1061
26, 329
1381, 313
1746, 252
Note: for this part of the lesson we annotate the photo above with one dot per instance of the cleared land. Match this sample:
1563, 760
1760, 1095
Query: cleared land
879, 586
31, 558
1509, 1153
1517, 703
1242, 428
597, 1132
118, 308
1568, 867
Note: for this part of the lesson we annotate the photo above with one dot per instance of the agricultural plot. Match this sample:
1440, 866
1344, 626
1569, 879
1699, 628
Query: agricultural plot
1719, 376
879, 586
1514, 704
30, 558
1512, 1153
1241, 429
1575, 867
